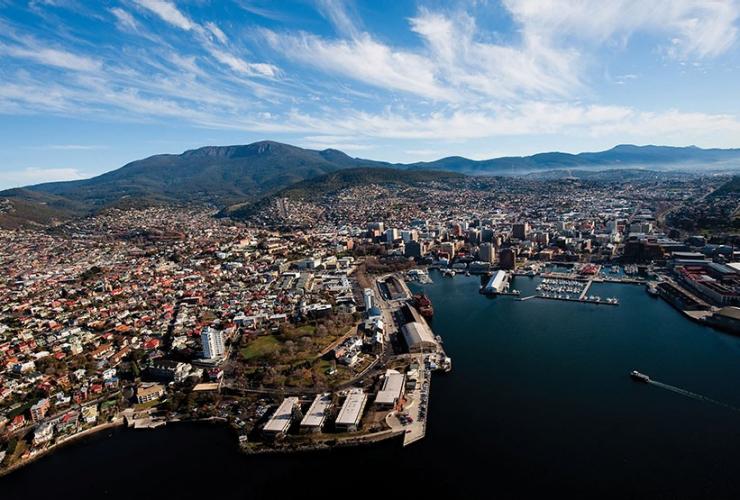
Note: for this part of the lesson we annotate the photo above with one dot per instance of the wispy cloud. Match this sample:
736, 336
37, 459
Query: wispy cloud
168, 12
216, 32
350, 89
363, 59
689, 28
33, 51
124, 19
336, 11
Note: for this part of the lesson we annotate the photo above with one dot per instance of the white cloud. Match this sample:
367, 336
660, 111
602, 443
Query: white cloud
51, 57
205, 34
457, 64
241, 66
363, 59
216, 31
531, 67
124, 19
336, 12
690, 28
168, 12
534, 119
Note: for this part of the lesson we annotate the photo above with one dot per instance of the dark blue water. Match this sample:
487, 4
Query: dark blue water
539, 402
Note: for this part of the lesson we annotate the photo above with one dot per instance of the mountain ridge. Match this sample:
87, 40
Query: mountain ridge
227, 175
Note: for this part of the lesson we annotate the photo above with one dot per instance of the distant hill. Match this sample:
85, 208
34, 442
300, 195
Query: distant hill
314, 189
622, 157
231, 175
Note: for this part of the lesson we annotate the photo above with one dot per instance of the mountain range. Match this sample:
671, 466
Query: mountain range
234, 175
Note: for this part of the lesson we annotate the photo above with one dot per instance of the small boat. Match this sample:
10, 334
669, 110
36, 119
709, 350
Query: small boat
639, 377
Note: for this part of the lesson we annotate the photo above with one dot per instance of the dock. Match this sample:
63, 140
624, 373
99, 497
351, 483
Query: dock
580, 301
418, 428
585, 290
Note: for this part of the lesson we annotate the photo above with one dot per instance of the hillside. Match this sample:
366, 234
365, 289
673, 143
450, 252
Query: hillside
239, 175
731, 187
219, 175
314, 189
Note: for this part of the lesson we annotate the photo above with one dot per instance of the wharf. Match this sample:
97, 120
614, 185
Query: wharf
418, 428
514, 294
580, 301
585, 290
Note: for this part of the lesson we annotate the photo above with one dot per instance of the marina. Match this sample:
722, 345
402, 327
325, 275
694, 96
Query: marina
571, 290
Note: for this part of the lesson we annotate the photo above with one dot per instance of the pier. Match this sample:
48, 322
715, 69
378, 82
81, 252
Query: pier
420, 397
585, 290
579, 300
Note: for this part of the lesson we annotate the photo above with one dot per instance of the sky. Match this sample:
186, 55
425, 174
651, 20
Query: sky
87, 86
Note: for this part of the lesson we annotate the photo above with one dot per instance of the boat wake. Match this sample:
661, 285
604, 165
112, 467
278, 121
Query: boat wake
693, 395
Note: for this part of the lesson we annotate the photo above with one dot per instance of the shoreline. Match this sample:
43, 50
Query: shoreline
57, 446
357, 441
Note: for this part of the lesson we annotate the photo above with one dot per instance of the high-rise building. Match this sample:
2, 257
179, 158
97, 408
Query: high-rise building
520, 230
212, 341
369, 297
487, 253
391, 235
412, 235
375, 229
413, 249
542, 237
507, 258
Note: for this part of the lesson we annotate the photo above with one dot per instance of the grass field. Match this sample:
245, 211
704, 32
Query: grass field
260, 347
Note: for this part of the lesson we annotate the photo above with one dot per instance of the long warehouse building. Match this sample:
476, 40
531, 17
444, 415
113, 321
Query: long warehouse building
418, 337
280, 421
350, 415
314, 420
497, 283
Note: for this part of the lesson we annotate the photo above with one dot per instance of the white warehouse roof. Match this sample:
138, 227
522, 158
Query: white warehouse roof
392, 388
317, 412
351, 411
418, 335
283, 416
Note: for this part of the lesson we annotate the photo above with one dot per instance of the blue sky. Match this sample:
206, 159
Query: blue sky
86, 86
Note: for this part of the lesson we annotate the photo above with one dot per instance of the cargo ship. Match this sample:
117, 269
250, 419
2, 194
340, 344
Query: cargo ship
422, 303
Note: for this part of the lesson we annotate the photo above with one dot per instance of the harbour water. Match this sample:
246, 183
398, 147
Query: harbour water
539, 402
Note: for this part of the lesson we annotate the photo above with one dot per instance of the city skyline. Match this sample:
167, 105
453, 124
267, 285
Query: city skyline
87, 88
